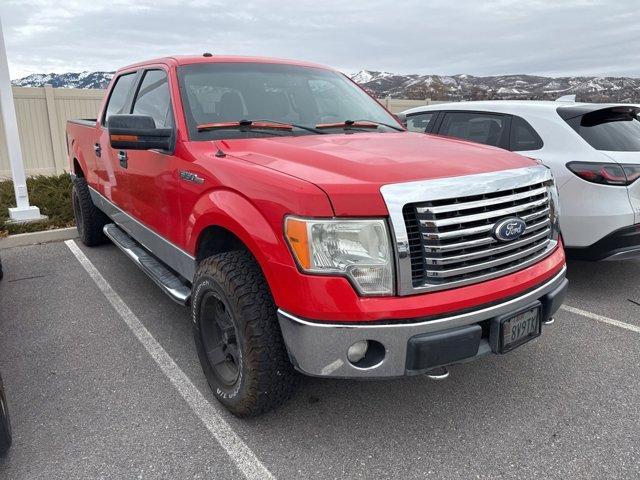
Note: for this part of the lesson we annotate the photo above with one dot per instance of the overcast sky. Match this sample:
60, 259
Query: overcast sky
568, 37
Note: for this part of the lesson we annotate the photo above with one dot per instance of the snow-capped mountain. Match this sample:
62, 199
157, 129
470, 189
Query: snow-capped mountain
504, 87
66, 80
435, 87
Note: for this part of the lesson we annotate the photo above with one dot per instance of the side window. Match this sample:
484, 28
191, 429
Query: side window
153, 98
523, 136
119, 94
487, 128
419, 122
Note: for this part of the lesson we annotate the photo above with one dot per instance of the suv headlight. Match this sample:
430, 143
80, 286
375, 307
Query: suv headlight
357, 249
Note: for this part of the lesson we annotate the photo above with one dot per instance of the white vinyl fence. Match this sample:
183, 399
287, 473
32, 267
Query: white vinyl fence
43, 112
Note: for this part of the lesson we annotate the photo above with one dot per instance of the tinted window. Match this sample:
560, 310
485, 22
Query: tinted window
609, 129
420, 121
523, 136
119, 93
477, 127
153, 98
230, 92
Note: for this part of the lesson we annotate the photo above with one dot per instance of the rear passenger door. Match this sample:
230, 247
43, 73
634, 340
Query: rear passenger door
479, 127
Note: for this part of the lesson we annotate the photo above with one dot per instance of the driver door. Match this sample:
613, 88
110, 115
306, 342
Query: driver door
152, 177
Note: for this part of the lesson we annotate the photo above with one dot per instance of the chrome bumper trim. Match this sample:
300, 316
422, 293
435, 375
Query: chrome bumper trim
320, 349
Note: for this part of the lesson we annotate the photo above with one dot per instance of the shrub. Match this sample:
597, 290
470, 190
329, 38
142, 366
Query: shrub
52, 194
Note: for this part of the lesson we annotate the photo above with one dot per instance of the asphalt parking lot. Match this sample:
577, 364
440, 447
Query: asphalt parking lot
93, 396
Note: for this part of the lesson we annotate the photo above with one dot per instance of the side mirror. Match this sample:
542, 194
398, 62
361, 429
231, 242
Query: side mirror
402, 118
138, 132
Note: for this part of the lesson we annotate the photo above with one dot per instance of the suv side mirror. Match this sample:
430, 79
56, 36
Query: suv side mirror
138, 132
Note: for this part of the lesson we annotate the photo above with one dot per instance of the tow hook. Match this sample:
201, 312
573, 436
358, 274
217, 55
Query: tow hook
550, 321
439, 373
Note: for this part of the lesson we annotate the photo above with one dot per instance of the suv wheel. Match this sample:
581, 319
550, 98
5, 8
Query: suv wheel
237, 335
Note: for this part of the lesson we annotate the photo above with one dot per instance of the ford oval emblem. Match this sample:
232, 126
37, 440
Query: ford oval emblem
509, 229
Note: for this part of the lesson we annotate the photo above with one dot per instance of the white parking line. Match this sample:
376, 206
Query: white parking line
600, 318
211, 417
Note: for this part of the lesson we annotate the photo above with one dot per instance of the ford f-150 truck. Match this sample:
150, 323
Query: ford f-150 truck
308, 230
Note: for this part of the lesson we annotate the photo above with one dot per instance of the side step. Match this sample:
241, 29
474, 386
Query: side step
168, 281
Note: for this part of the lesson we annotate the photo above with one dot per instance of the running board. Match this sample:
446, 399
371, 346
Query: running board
168, 281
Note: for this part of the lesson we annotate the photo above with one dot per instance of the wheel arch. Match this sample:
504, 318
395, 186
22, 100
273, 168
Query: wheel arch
219, 222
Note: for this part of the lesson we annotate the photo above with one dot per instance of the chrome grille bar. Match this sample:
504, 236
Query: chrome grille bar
487, 252
503, 212
454, 207
481, 241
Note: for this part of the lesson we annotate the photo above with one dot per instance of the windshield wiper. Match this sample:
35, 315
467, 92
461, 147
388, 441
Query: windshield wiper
255, 125
358, 124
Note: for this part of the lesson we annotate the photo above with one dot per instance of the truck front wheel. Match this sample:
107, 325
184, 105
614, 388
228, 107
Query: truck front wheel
237, 335
89, 218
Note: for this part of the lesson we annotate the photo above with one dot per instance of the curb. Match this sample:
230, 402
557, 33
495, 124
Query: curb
34, 238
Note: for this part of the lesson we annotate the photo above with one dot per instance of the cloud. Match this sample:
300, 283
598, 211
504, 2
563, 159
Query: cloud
590, 37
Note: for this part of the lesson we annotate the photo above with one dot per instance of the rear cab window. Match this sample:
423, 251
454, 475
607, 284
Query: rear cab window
614, 129
486, 128
118, 99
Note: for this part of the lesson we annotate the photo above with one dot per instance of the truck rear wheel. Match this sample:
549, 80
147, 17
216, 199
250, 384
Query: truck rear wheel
237, 335
89, 218
5, 425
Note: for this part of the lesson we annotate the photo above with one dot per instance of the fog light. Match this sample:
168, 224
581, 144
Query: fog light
357, 351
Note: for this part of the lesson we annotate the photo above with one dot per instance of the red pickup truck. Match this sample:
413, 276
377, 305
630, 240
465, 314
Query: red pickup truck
308, 230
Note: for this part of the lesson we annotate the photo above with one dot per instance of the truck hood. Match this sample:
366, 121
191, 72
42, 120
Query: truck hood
351, 168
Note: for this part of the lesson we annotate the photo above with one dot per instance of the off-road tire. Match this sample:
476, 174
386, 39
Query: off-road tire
266, 378
5, 424
89, 219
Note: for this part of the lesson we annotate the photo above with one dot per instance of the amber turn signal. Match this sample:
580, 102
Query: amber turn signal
124, 138
298, 238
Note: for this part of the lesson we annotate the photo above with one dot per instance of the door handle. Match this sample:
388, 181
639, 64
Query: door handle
97, 149
122, 157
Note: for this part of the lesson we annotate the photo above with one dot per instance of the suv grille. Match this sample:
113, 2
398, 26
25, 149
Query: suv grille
451, 240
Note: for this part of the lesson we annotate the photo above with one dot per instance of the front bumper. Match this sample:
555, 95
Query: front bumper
623, 244
320, 349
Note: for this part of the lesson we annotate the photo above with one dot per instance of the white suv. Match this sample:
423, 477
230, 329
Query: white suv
592, 149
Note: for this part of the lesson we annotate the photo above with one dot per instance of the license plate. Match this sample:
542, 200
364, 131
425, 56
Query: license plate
519, 329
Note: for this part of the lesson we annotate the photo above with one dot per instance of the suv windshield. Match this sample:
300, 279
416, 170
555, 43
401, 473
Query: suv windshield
609, 129
216, 93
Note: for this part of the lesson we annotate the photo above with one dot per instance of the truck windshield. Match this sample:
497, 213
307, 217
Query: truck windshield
302, 97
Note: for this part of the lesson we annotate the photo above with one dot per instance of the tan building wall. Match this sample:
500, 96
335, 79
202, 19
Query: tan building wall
43, 112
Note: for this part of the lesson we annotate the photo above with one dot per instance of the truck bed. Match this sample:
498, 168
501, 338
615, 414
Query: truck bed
89, 122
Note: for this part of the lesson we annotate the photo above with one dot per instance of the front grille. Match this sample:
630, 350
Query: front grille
451, 240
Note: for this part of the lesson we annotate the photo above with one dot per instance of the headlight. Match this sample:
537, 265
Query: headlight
357, 249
